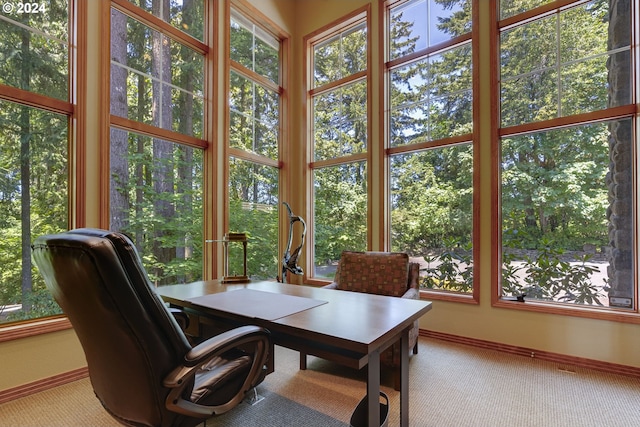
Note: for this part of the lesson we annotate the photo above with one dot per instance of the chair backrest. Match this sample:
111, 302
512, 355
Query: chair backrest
130, 340
382, 273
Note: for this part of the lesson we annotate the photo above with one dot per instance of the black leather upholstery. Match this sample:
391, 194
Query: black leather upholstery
141, 365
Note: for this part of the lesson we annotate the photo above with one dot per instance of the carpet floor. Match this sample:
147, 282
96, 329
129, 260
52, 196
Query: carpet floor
451, 385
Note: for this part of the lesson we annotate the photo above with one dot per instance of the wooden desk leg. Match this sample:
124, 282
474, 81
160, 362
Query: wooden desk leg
404, 379
303, 361
373, 388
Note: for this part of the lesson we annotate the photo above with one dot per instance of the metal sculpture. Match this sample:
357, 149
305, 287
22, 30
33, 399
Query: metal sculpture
290, 259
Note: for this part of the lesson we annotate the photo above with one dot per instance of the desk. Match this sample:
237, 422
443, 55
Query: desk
349, 328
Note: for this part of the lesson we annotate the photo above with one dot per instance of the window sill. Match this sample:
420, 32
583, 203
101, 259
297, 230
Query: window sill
614, 315
26, 329
448, 296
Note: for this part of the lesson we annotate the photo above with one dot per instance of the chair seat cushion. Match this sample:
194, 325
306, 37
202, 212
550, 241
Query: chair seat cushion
212, 384
381, 273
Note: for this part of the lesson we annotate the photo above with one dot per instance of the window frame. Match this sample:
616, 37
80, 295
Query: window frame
497, 133
205, 47
75, 110
165, 28
343, 24
471, 138
256, 17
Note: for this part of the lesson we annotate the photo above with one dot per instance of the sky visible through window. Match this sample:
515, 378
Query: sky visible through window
426, 15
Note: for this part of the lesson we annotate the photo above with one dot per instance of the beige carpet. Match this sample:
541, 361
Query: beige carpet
451, 385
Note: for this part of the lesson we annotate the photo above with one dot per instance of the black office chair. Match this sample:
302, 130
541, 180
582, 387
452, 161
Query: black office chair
142, 368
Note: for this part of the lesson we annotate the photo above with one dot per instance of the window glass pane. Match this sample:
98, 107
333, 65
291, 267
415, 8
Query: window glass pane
340, 214
34, 48
567, 215
254, 112
419, 24
529, 48
560, 65
531, 98
34, 200
253, 209
185, 15
584, 86
510, 8
575, 45
155, 80
432, 214
156, 199
340, 121
432, 98
254, 48
340, 56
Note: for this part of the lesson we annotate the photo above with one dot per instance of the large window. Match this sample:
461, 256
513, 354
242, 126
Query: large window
256, 86
35, 117
431, 154
567, 153
157, 126
339, 116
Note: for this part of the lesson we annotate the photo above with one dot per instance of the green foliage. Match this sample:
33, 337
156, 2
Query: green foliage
340, 210
165, 225
261, 225
253, 209
432, 197
33, 53
40, 303
547, 276
554, 187
33, 201
451, 269
186, 15
156, 186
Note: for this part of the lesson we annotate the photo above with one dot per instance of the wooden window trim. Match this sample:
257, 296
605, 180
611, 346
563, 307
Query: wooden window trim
624, 111
472, 37
259, 19
424, 145
35, 100
431, 50
159, 25
74, 110
337, 161
248, 74
497, 132
356, 17
156, 132
535, 13
30, 328
254, 158
345, 81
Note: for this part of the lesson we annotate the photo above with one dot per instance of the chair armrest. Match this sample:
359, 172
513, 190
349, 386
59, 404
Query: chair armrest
413, 284
206, 351
181, 317
332, 285
412, 293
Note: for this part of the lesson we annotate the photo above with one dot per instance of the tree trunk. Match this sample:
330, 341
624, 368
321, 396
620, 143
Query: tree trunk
162, 150
184, 247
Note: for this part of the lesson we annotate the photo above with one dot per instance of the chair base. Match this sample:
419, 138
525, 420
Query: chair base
253, 398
